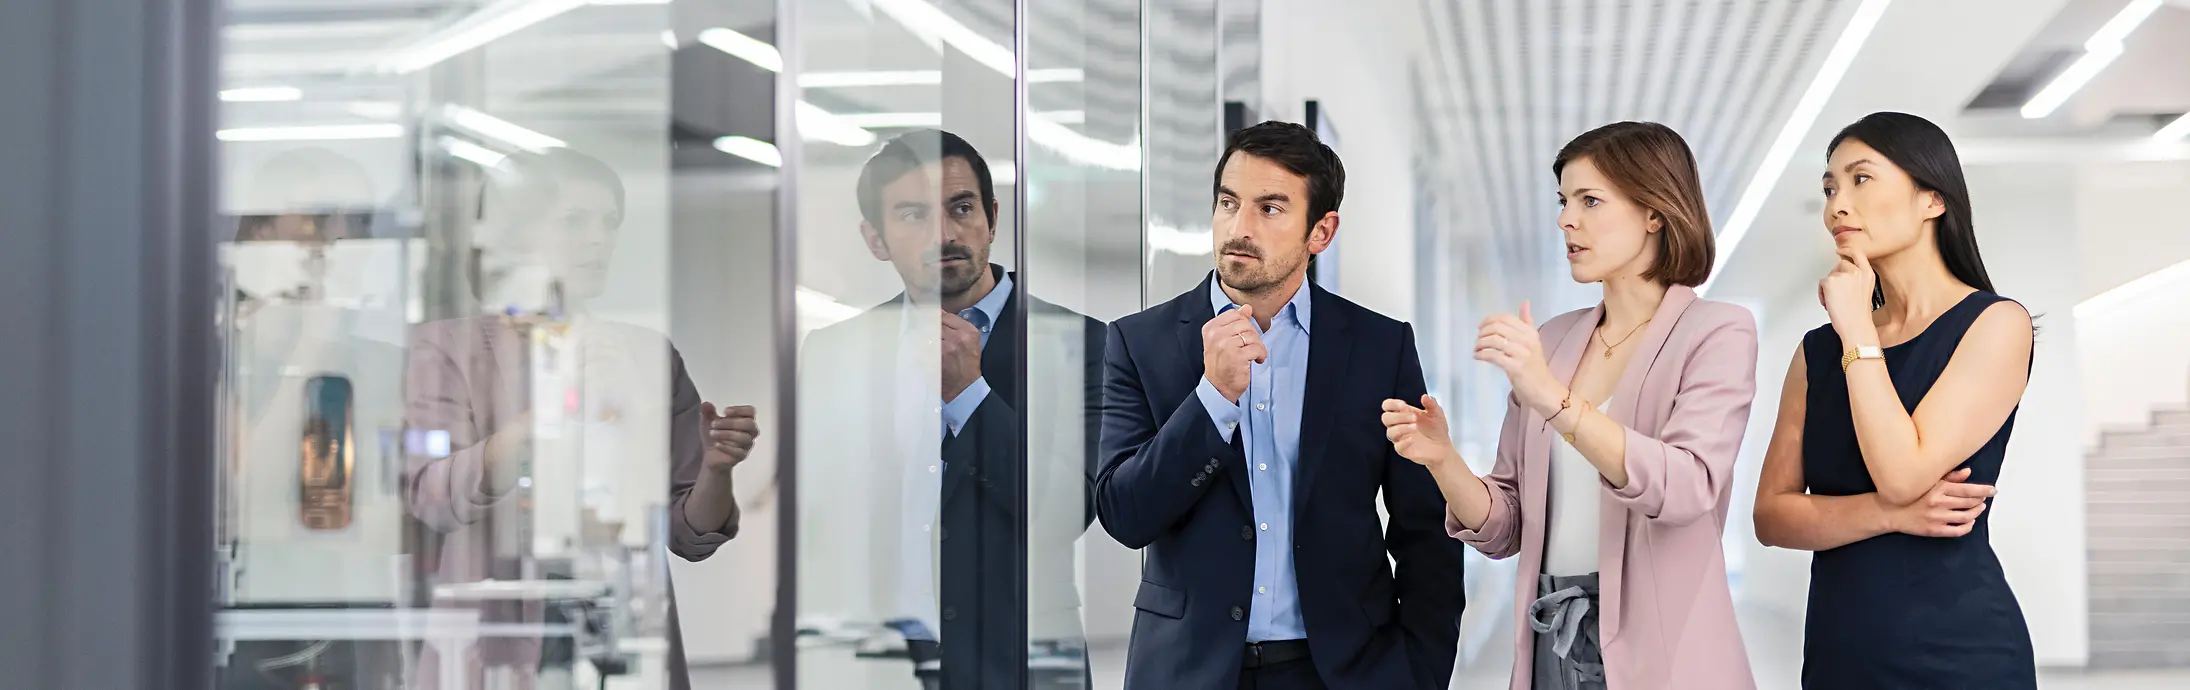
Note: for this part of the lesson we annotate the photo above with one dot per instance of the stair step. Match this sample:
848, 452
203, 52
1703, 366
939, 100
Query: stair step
2139, 438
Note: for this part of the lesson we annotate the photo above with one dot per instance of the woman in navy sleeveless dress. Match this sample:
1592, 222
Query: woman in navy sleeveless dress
1884, 458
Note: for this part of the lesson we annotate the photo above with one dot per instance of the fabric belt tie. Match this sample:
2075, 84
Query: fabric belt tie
1560, 615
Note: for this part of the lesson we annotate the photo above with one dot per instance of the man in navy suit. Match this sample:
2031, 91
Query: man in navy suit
1242, 451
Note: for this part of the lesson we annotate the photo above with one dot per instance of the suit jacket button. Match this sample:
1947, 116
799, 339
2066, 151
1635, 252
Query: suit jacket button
1247, 533
1197, 480
951, 614
942, 533
1237, 614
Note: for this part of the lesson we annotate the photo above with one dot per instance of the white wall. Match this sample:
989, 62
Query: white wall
1354, 59
2133, 350
2038, 517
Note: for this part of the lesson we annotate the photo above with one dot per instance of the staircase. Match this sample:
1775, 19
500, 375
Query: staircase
2137, 492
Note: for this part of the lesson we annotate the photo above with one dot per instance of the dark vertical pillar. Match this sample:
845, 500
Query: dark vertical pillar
106, 342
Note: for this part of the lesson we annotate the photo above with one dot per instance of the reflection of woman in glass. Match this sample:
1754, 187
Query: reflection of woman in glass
1892, 427
1616, 459
499, 476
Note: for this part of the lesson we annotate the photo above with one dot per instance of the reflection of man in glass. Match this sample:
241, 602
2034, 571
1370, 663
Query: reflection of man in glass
527, 419
915, 463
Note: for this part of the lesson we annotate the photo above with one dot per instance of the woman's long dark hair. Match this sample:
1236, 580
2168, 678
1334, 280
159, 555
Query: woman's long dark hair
1923, 151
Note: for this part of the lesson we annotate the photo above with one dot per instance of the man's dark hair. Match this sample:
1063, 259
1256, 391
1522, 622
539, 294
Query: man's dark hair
1297, 149
912, 151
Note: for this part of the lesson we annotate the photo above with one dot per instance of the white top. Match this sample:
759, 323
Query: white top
1570, 542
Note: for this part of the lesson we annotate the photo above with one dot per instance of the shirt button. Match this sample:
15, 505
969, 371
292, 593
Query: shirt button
931, 469
1262, 406
927, 527
1238, 614
1266, 526
1264, 466
1262, 590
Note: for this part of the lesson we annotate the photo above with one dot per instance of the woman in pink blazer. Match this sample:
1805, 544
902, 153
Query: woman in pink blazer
1617, 453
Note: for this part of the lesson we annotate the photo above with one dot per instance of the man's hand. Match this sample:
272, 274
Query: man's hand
730, 436
1229, 343
1950, 509
961, 351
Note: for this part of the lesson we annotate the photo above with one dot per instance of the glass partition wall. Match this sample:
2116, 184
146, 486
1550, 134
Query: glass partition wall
494, 337
665, 344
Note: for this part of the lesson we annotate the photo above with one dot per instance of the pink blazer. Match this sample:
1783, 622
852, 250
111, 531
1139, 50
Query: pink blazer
1667, 619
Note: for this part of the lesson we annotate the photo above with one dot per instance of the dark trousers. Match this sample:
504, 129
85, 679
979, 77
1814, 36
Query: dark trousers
1298, 674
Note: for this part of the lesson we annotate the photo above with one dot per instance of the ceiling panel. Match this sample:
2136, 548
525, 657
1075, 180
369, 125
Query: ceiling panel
1532, 74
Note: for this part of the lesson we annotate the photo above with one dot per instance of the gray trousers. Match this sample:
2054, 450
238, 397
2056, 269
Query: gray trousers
1564, 618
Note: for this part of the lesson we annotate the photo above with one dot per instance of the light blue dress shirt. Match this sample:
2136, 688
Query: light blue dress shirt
1270, 409
982, 315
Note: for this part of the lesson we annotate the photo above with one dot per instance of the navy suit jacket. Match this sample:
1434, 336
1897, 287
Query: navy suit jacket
1171, 486
1003, 572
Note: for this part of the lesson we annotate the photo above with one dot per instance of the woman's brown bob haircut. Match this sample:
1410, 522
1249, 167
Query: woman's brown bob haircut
1651, 164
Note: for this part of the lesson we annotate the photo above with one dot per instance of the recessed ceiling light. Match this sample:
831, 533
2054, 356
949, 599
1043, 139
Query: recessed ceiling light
262, 94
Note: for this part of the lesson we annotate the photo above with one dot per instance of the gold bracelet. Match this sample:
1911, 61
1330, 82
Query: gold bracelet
1563, 406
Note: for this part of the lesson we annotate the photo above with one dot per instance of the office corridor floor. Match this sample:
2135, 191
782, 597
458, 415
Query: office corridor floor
1774, 644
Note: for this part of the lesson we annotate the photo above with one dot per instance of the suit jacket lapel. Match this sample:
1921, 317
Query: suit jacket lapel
1329, 352
1192, 310
1668, 315
1612, 517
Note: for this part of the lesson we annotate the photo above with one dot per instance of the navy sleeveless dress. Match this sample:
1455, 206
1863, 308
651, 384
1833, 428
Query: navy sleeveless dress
1901, 611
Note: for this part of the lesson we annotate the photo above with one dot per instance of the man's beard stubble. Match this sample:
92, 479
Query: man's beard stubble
954, 281
1251, 280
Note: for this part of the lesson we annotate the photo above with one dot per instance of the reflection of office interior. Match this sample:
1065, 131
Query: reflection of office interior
328, 577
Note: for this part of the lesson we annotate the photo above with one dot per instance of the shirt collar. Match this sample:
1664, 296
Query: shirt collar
992, 305
1298, 306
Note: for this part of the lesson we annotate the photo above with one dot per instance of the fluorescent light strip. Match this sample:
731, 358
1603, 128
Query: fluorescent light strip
892, 120
475, 153
498, 128
477, 29
2171, 281
2178, 129
2103, 46
2068, 82
935, 28
743, 47
934, 119
1165, 237
839, 80
312, 133
1790, 136
750, 149
263, 94
624, 3
815, 123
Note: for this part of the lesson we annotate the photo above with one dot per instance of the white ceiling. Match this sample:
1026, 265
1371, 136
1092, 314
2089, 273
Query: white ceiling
1970, 80
1532, 74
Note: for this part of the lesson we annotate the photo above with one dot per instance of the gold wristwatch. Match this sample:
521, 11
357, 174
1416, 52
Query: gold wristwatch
1861, 352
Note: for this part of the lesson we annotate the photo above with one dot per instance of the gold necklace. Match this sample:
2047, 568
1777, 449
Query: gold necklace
1599, 333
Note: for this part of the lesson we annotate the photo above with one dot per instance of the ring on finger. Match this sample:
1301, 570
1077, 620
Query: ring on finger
1242, 339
